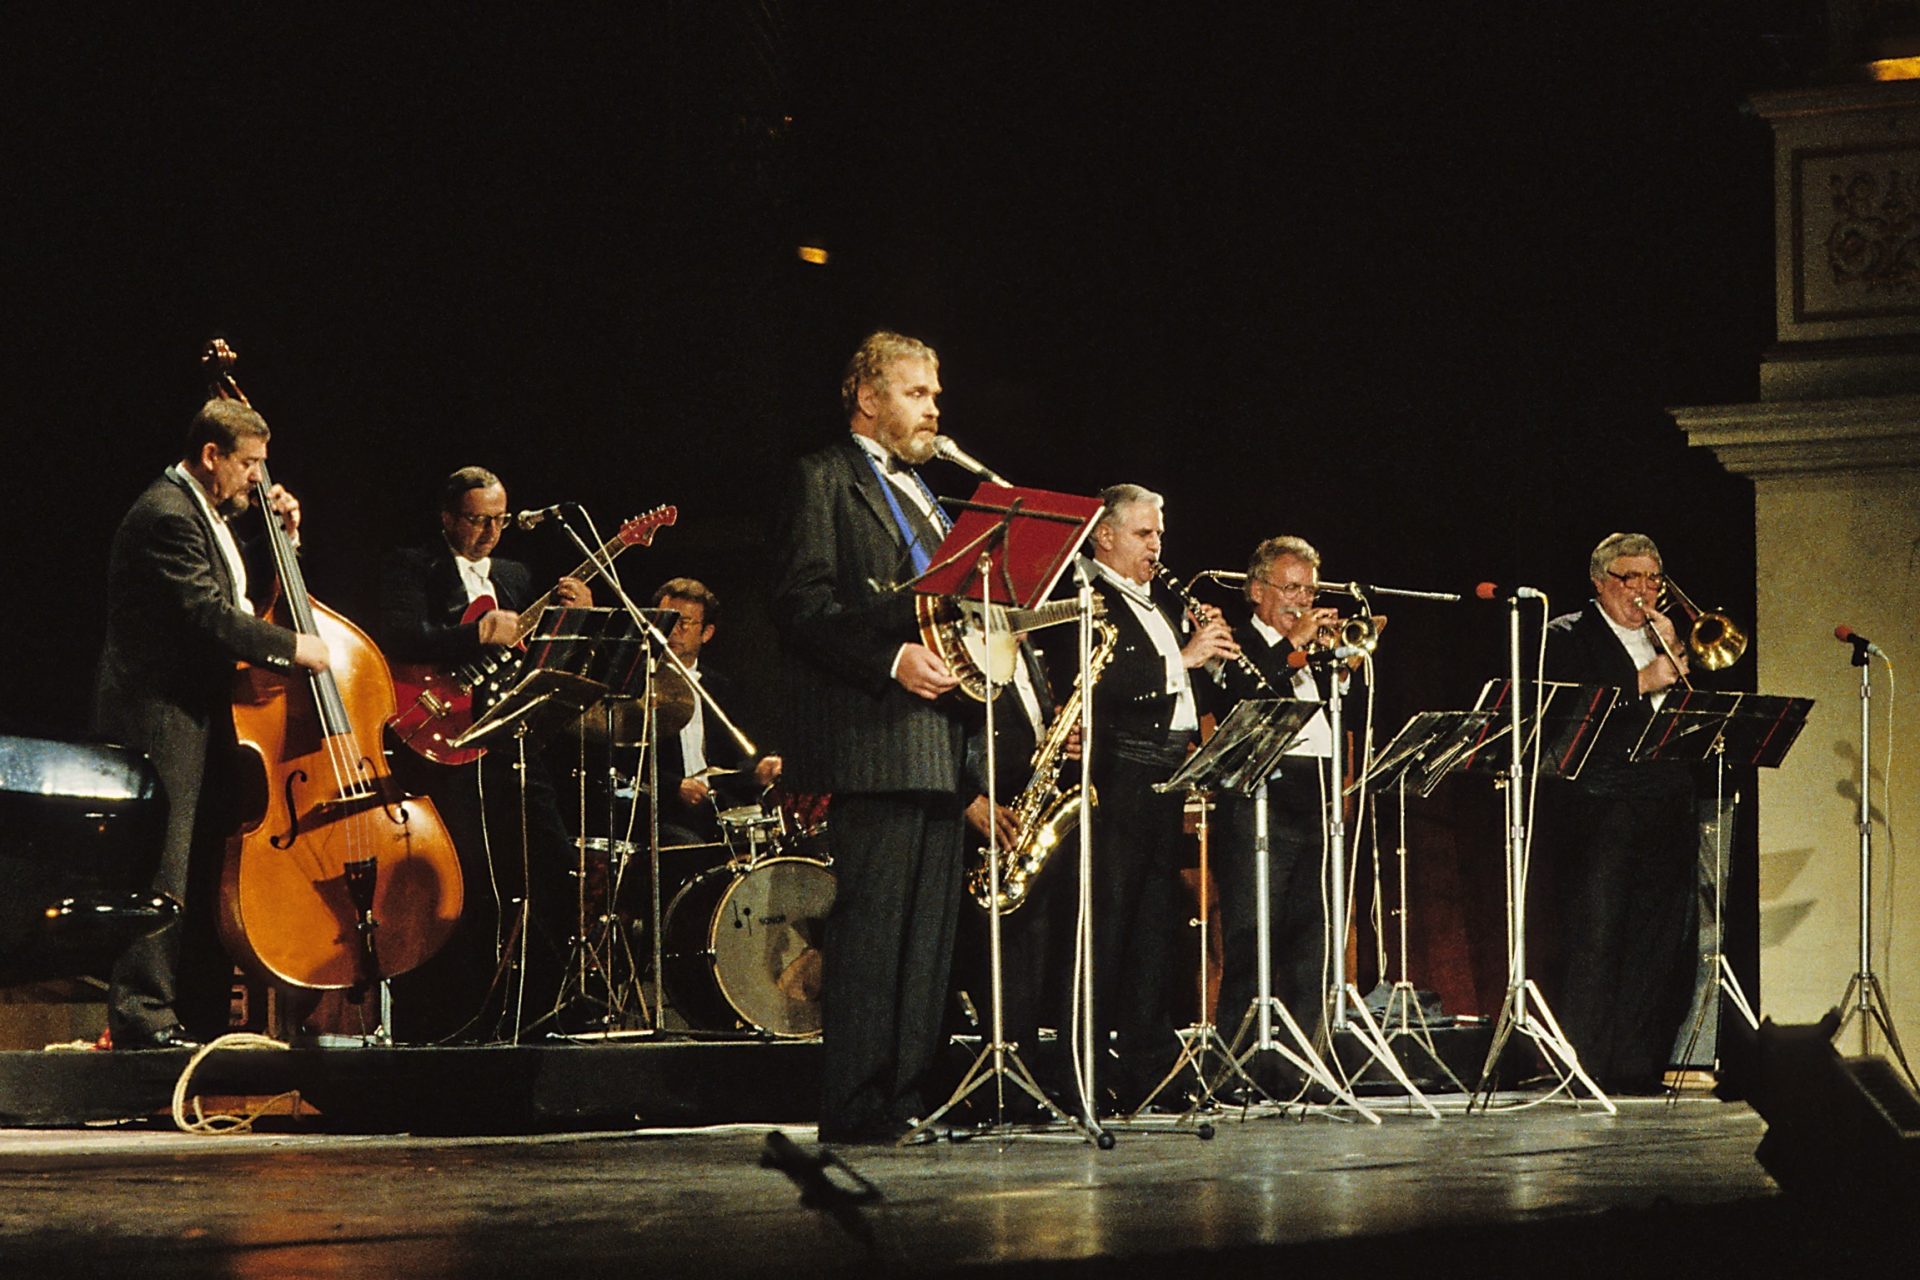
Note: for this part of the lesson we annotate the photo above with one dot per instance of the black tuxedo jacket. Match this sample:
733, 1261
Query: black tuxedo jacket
1130, 700
421, 600
851, 727
1582, 648
165, 680
174, 631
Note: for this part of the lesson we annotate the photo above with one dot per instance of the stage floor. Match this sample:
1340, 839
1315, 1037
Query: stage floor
1550, 1188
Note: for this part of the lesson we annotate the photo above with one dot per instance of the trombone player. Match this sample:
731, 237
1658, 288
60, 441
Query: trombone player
1625, 846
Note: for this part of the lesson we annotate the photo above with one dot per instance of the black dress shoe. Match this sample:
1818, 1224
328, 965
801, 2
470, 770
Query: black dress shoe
173, 1037
878, 1133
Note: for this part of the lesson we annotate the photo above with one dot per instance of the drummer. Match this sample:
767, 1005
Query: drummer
702, 769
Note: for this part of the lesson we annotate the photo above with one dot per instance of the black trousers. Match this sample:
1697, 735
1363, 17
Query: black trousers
1138, 916
182, 973
1627, 871
1298, 918
889, 949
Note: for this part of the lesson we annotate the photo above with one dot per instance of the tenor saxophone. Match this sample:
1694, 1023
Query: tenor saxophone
1044, 815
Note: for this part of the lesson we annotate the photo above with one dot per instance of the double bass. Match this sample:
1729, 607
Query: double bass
336, 877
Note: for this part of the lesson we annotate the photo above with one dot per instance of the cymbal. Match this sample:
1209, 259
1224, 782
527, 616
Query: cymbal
673, 701
622, 721
716, 771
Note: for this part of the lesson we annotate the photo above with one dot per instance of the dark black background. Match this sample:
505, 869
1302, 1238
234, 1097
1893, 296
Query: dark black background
1413, 280
1415, 284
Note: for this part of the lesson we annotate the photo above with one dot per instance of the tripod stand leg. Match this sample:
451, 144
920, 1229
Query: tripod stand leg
1877, 1007
1367, 1032
1304, 1058
1406, 1000
996, 1062
1543, 1030
1196, 1042
1730, 983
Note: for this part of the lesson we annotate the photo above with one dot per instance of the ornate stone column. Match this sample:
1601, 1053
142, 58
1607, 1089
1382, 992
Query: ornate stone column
1833, 449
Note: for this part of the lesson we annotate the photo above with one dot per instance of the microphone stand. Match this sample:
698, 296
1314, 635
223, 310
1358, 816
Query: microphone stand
1538, 1024
1342, 995
1864, 997
998, 1060
659, 648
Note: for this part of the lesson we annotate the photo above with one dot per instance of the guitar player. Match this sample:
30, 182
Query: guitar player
433, 610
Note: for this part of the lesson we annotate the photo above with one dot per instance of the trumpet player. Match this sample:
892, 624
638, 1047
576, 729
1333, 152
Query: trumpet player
1623, 836
1282, 582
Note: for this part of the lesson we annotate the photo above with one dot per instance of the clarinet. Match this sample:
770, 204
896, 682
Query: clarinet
1194, 607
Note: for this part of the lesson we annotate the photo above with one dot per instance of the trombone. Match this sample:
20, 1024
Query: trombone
1715, 640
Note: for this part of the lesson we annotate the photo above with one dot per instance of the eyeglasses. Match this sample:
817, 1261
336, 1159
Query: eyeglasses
1639, 581
1302, 590
484, 522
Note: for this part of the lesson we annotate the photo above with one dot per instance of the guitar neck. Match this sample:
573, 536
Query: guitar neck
1045, 615
586, 571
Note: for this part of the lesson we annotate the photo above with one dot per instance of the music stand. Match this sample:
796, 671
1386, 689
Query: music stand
1240, 756
1419, 756
1560, 734
1008, 548
568, 662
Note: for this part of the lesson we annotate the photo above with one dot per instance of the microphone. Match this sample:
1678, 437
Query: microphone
1858, 641
534, 519
946, 448
1494, 591
1339, 653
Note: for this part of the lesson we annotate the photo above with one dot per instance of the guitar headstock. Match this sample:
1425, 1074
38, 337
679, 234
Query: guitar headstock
639, 531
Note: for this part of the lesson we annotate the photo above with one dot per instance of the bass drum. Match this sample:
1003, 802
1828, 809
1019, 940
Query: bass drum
740, 947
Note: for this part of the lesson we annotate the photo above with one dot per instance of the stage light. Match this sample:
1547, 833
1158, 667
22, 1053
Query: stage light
814, 254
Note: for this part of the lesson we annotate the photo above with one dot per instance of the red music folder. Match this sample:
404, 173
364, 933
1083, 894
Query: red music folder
1029, 536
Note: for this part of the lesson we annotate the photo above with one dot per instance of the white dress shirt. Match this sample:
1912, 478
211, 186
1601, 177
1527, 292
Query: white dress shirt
1166, 641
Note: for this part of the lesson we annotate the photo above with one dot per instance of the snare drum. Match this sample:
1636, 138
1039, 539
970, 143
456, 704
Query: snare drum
741, 947
751, 832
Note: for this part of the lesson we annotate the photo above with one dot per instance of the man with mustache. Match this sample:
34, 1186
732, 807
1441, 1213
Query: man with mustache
868, 726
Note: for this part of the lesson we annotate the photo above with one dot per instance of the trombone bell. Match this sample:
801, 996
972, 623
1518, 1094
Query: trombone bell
1716, 641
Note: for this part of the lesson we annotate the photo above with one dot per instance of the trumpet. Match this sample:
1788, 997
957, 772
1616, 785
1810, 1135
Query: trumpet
1361, 632
1715, 640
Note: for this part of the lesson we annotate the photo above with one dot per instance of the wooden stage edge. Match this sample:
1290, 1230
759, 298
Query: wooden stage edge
555, 1086
482, 1089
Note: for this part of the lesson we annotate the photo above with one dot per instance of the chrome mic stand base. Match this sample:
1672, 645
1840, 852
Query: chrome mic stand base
1303, 1057
996, 1062
1403, 1018
1864, 999
1540, 1026
1347, 1012
1196, 1043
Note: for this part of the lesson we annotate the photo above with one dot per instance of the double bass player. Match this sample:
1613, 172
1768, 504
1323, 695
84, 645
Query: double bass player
178, 618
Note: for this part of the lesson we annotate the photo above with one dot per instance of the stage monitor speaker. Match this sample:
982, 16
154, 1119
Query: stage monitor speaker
1837, 1128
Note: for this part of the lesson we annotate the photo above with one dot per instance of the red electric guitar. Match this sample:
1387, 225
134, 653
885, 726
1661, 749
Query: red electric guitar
436, 704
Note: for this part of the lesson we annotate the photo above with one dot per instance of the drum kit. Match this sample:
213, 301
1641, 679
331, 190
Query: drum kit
740, 937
